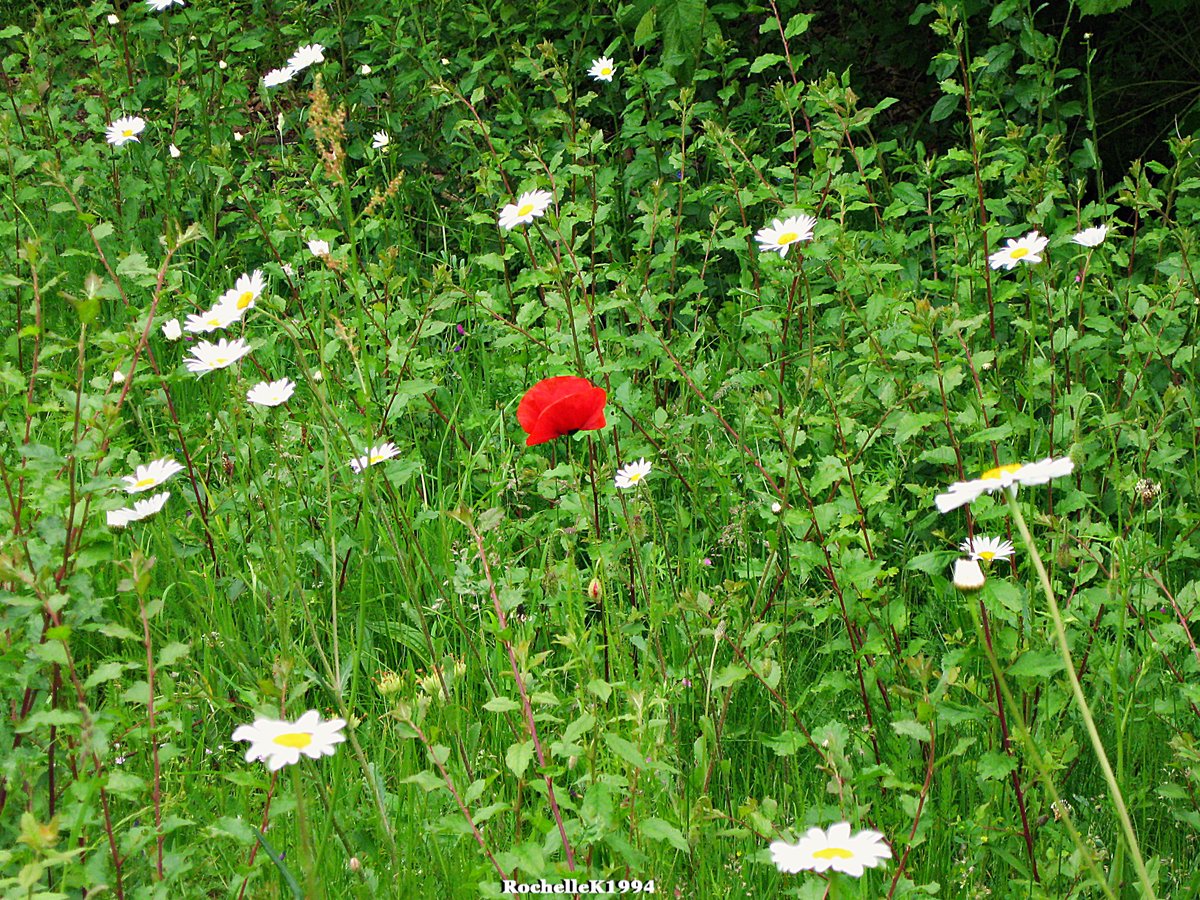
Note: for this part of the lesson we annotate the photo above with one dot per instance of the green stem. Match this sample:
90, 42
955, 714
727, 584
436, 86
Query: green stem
1060, 634
1039, 762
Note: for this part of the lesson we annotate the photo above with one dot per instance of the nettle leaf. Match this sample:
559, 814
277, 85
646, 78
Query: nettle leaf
994, 764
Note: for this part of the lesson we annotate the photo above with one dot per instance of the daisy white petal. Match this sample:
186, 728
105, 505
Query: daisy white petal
782, 233
305, 56
529, 206
820, 850
380, 140
160, 5
632, 475
276, 77
281, 743
1019, 250
318, 248
1010, 475
1091, 237
124, 130
151, 475
207, 357
987, 548
245, 291
602, 69
374, 455
222, 315
271, 393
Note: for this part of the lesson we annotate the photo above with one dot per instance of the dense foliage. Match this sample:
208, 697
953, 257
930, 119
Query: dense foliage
542, 673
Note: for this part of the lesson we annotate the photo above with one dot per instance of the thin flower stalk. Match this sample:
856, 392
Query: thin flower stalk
1060, 634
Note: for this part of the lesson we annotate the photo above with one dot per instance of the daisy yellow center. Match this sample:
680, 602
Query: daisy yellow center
214, 321
246, 298
127, 132
1019, 252
524, 209
788, 237
220, 361
987, 555
145, 482
635, 477
297, 740
833, 853
1001, 471
605, 70
377, 457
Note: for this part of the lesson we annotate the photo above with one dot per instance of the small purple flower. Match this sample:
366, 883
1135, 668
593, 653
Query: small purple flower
707, 561
461, 330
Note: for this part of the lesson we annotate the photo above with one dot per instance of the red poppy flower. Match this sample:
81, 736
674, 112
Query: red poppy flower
557, 406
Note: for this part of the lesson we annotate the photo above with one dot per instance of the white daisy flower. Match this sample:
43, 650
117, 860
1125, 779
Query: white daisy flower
171, 330
174, 151
968, 575
281, 743
1019, 250
222, 65
1008, 476
374, 455
820, 850
124, 130
113, 19
160, 5
118, 376
528, 207
222, 315
271, 393
318, 248
238, 136
633, 474
151, 475
142, 509
245, 291
364, 69
207, 357
602, 69
987, 548
276, 77
781, 234
305, 56
1091, 237
380, 140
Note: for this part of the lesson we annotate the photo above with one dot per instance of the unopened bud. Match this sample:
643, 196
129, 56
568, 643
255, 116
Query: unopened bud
968, 575
595, 589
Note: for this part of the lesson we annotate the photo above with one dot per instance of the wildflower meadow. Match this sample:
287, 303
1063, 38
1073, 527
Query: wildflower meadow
482, 449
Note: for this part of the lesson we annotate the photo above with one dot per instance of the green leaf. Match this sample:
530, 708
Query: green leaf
767, 59
659, 830
627, 750
518, 757
1037, 664
944, 108
994, 764
501, 704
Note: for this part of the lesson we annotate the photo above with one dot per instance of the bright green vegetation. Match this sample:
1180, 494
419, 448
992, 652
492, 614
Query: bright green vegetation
760, 638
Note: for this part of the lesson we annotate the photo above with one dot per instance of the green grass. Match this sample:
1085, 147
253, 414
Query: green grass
760, 639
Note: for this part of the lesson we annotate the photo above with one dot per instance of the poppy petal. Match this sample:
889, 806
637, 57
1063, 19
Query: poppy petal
580, 411
545, 392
